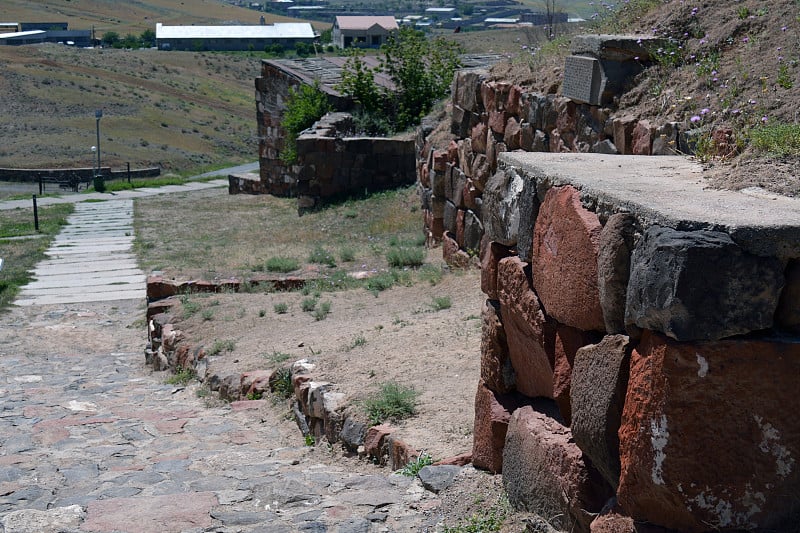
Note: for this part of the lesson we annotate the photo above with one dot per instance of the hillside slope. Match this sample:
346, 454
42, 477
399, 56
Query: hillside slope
730, 65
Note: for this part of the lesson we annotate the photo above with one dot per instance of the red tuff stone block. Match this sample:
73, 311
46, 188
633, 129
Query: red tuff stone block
460, 227
374, 439
400, 453
492, 413
568, 342
488, 96
497, 121
623, 133
491, 255
567, 120
530, 338
470, 194
452, 152
642, 138
158, 287
724, 142
496, 369
425, 176
461, 459
439, 160
513, 105
479, 132
545, 471
565, 248
512, 134
452, 254
709, 436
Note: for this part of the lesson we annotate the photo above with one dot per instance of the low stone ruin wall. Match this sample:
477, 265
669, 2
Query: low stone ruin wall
332, 165
33, 174
641, 343
320, 411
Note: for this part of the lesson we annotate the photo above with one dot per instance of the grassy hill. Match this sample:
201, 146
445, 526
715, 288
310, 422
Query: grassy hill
130, 17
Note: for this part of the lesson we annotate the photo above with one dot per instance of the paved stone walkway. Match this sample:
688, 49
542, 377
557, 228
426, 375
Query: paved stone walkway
90, 260
92, 441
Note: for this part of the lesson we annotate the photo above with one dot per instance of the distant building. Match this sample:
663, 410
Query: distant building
362, 31
9, 27
82, 38
542, 19
197, 38
44, 26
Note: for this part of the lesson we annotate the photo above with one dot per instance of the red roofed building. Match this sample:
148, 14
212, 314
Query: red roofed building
362, 31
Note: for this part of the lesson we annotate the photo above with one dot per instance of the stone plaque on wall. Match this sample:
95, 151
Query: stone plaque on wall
582, 79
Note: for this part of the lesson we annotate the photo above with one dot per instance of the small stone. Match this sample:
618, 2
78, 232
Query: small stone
438, 478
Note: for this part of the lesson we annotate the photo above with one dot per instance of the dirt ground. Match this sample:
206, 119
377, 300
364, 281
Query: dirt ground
397, 335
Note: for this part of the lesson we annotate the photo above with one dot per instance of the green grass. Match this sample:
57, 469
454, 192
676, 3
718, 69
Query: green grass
777, 139
308, 304
321, 312
277, 358
282, 384
281, 308
20, 256
413, 467
322, 256
440, 303
281, 264
391, 402
220, 346
189, 306
181, 377
402, 256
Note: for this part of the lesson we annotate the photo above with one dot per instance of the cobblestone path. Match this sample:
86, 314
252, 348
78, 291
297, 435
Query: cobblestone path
93, 441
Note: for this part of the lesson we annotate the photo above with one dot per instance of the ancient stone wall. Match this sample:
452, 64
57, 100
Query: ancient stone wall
331, 162
641, 334
333, 165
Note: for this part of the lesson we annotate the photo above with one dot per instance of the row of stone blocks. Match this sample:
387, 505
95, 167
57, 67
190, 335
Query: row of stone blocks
634, 370
492, 117
319, 410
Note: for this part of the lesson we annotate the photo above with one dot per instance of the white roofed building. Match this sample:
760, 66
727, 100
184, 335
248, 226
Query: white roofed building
362, 31
199, 38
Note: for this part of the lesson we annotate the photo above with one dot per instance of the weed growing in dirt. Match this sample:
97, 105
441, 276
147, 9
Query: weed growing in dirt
440, 303
190, 307
220, 346
181, 377
309, 440
282, 384
321, 312
488, 522
346, 254
280, 308
322, 256
413, 467
430, 273
254, 395
358, 342
387, 279
207, 314
281, 264
263, 312
777, 139
405, 257
308, 304
392, 401
277, 358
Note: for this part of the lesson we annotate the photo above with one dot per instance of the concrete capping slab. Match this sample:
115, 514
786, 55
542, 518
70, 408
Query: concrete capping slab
667, 191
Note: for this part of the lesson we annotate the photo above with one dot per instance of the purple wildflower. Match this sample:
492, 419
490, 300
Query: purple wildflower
695, 118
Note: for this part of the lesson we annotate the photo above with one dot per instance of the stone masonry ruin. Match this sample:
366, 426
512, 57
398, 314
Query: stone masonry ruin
332, 162
641, 333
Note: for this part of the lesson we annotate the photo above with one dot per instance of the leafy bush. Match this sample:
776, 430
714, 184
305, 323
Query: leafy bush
392, 401
777, 139
441, 302
321, 312
413, 467
281, 264
181, 377
304, 106
281, 308
402, 257
222, 346
281, 384
308, 304
322, 256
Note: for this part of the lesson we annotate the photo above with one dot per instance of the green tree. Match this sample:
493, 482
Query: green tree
326, 36
304, 106
110, 38
421, 70
130, 41
358, 82
148, 38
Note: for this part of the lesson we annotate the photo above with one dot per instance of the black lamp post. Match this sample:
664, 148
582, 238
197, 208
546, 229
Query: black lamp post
99, 184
